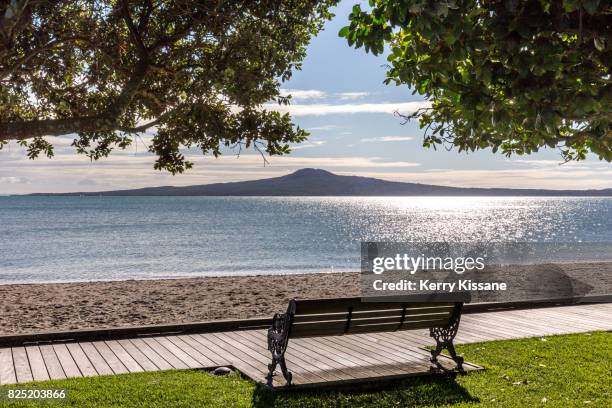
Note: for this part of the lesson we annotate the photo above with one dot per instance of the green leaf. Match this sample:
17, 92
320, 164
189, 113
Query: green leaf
499, 75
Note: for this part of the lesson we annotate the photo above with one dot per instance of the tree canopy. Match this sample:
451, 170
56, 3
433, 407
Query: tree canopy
510, 75
196, 71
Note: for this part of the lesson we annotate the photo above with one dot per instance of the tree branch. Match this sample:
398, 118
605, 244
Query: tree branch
145, 126
136, 38
108, 120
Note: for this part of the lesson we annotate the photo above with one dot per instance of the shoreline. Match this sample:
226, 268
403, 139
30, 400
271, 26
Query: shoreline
255, 274
30, 307
173, 278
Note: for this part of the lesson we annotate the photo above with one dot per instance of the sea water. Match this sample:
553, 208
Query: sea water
58, 239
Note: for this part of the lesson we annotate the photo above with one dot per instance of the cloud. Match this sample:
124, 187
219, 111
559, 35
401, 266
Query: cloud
554, 178
88, 182
303, 94
324, 127
125, 169
352, 95
327, 109
307, 145
309, 94
14, 180
71, 172
387, 139
558, 164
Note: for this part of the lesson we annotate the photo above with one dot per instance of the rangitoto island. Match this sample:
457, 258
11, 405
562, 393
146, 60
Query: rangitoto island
318, 182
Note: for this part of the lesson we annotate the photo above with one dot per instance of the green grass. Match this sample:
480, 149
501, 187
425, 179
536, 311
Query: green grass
557, 371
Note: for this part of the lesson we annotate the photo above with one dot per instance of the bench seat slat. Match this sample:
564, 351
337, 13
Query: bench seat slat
319, 317
384, 319
326, 306
322, 317
369, 319
338, 327
384, 327
409, 312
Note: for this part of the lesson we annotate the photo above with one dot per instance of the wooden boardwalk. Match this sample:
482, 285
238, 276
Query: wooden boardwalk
313, 360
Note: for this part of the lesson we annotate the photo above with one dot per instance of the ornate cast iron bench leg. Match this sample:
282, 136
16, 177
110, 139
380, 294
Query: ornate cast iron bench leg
278, 338
444, 340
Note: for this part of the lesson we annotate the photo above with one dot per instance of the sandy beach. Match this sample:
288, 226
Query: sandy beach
67, 306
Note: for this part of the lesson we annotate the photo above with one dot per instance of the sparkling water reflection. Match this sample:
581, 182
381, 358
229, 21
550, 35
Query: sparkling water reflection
99, 238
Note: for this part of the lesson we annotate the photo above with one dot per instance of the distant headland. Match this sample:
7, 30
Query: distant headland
317, 182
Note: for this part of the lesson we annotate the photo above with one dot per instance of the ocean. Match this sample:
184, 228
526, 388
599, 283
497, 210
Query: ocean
60, 239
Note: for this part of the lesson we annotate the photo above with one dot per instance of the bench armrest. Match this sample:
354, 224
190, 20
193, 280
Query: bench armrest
278, 337
278, 333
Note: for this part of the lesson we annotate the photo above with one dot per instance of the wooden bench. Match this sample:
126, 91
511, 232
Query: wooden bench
342, 316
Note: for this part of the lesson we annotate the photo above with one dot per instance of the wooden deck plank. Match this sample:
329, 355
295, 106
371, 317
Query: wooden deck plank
54, 368
86, 368
404, 358
217, 360
419, 338
492, 329
578, 319
539, 326
254, 371
340, 361
383, 365
299, 347
512, 323
396, 340
139, 346
405, 351
143, 361
126, 359
7, 368
540, 317
178, 352
400, 350
382, 356
582, 320
254, 358
110, 358
174, 361
328, 353
322, 363
300, 364
471, 336
202, 360
70, 367
407, 363
536, 326
37, 364
596, 310
344, 355
365, 355
505, 330
96, 358
22, 365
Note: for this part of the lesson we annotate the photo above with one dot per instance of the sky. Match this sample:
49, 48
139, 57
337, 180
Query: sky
340, 98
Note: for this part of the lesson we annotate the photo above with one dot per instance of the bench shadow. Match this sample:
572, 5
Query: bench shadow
413, 392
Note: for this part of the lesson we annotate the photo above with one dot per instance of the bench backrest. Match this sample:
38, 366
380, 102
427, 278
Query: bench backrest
334, 317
